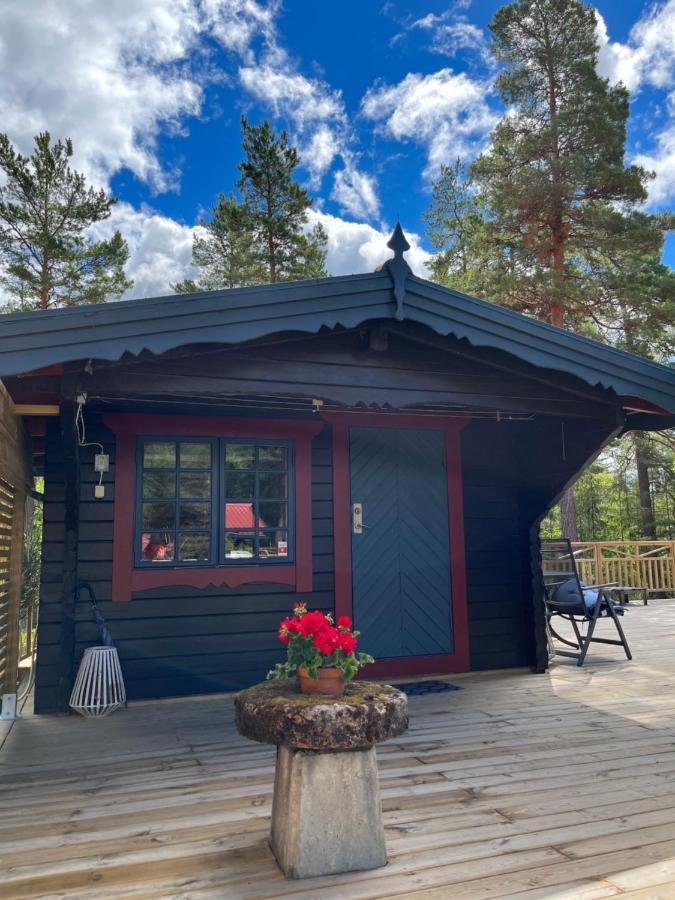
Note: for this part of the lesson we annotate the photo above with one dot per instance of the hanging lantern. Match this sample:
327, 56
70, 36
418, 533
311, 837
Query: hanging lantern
99, 686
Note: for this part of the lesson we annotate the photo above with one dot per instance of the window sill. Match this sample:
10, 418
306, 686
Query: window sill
211, 576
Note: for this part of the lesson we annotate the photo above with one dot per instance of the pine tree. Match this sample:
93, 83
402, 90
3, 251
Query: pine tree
46, 209
552, 222
454, 223
224, 252
277, 206
648, 330
554, 180
261, 237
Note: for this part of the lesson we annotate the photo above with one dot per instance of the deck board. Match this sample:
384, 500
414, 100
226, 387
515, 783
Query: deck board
519, 786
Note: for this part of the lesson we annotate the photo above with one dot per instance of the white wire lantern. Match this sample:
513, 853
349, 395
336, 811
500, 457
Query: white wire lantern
99, 686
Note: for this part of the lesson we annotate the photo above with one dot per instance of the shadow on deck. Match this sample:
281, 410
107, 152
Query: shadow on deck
527, 786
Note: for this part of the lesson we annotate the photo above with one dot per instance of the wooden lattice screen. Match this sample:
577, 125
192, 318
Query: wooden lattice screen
8, 625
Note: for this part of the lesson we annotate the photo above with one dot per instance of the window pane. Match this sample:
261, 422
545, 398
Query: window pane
195, 484
159, 516
159, 485
239, 546
159, 455
272, 485
239, 515
271, 457
193, 547
195, 456
195, 515
239, 485
239, 456
157, 547
272, 515
273, 544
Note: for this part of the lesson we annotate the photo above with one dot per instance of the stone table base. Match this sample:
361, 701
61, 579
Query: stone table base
326, 814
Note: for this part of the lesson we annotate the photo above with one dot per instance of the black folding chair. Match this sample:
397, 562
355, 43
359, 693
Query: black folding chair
564, 597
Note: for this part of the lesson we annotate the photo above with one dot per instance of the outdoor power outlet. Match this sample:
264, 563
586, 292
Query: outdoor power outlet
101, 462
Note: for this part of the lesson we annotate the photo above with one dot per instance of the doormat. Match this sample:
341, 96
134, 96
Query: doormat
414, 688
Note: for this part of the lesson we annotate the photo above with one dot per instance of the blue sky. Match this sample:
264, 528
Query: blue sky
376, 95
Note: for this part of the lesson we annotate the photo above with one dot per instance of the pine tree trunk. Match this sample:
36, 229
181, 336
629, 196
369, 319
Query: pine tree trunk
44, 284
568, 515
646, 506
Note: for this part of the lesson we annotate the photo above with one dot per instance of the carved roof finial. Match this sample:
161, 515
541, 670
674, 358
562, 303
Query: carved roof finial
398, 268
397, 242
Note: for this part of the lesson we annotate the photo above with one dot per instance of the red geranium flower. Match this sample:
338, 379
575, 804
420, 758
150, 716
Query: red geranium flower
348, 643
327, 639
287, 629
344, 622
312, 622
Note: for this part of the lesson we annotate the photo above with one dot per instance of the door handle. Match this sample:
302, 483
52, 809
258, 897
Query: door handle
357, 518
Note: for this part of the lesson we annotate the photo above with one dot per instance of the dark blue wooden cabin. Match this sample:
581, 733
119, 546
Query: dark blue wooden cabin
375, 444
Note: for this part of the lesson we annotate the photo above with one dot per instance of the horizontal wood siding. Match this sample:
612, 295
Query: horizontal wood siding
176, 641
493, 546
51, 583
182, 641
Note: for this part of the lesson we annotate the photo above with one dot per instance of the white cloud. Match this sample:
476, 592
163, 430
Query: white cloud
648, 57
661, 161
305, 101
356, 192
160, 249
451, 32
358, 247
445, 111
236, 23
112, 75
654, 36
319, 153
615, 61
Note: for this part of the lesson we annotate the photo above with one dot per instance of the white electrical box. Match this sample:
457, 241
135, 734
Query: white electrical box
101, 462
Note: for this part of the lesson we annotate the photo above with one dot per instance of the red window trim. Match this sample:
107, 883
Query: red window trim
341, 422
126, 580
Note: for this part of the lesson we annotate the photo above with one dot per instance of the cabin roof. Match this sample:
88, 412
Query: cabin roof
30, 341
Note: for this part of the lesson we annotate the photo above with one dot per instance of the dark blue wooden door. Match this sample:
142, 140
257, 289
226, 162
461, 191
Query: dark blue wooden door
401, 561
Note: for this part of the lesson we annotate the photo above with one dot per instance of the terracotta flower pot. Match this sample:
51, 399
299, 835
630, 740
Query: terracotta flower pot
330, 681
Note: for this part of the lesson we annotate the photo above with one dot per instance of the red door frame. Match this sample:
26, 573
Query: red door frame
342, 532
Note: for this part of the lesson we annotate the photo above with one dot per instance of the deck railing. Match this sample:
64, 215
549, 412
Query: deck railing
641, 564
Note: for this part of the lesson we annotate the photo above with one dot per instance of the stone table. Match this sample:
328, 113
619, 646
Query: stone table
326, 811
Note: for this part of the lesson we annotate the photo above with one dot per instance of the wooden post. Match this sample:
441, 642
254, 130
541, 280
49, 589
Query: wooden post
71, 519
597, 552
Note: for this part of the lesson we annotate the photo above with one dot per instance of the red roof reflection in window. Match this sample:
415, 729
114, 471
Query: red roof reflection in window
240, 516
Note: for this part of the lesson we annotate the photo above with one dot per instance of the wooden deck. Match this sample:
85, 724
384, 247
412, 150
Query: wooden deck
518, 786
